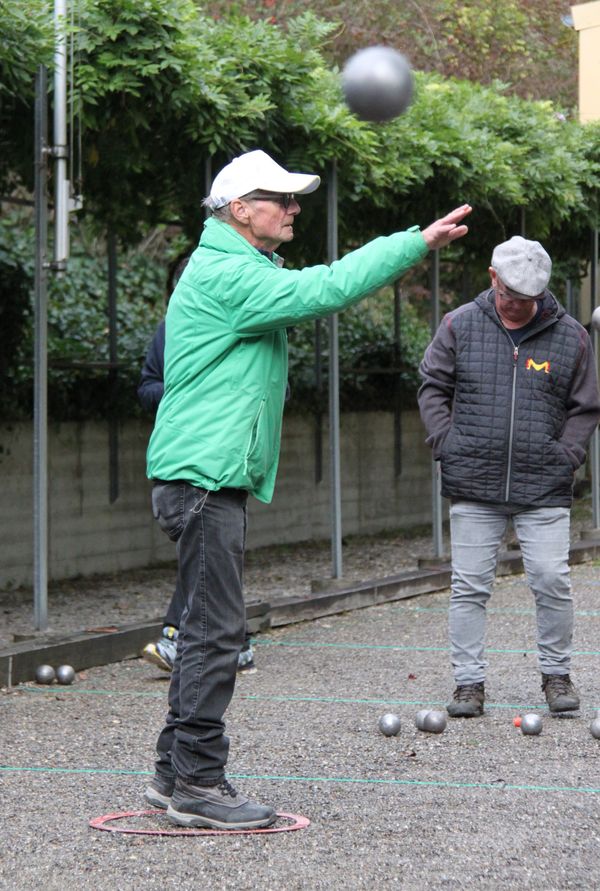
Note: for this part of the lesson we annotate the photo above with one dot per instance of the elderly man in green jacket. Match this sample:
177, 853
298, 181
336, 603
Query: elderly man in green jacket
217, 439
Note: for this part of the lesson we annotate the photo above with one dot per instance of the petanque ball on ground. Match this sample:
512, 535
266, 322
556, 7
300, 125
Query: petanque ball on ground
65, 674
420, 717
531, 725
596, 319
44, 674
389, 724
378, 83
595, 728
434, 722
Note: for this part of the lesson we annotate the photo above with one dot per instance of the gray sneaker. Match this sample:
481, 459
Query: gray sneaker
560, 693
159, 790
163, 652
246, 660
219, 807
467, 701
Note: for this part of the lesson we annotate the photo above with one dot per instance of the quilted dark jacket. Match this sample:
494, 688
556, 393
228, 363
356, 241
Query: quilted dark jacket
509, 424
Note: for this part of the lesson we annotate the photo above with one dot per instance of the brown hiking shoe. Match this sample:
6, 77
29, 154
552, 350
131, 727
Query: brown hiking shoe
467, 701
560, 693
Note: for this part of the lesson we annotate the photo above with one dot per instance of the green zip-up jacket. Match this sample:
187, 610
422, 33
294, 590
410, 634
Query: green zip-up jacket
219, 421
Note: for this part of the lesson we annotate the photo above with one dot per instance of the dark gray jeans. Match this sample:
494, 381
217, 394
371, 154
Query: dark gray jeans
210, 531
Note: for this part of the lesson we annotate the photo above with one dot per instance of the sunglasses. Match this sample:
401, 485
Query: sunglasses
505, 294
284, 199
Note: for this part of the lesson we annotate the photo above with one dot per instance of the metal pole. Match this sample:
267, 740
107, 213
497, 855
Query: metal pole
569, 298
319, 410
207, 180
334, 385
40, 382
60, 149
436, 480
595, 443
113, 374
397, 381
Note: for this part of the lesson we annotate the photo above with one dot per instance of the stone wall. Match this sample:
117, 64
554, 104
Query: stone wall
88, 534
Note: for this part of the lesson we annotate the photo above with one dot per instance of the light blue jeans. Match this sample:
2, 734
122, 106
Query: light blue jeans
476, 533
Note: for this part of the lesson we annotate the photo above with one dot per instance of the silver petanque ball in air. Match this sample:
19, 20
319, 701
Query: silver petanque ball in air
378, 83
595, 728
65, 674
389, 724
531, 725
420, 717
434, 722
596, 319
44, 674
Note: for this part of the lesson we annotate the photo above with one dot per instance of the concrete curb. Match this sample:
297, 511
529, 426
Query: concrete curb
101, 647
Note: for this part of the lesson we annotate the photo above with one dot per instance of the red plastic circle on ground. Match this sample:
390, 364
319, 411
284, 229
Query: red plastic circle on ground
298, 822
517, 721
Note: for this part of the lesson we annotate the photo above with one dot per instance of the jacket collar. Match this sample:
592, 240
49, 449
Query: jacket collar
220, 236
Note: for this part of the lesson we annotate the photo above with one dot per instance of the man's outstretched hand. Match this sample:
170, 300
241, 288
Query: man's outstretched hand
443, 231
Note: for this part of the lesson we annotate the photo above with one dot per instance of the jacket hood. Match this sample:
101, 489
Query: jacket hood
551, 308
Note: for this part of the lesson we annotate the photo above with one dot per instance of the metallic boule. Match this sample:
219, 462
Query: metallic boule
434, 722
420, 717
378, 83
531, 725
389, 724
595, 728
65, 674
44, 674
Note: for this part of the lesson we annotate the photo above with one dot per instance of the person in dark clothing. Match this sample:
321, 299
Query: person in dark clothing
150, 391
152, 384
510, 400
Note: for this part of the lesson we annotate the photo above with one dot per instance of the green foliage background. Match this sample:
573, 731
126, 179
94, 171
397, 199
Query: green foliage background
161, 86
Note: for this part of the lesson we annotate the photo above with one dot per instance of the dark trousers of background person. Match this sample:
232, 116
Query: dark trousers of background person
210, 531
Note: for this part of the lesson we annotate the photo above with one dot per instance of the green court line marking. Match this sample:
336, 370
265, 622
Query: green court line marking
365, 781
399, 648
259, 697
79, 692
508, 610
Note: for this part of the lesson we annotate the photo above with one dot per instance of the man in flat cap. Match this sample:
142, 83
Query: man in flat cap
509, 400
217, 439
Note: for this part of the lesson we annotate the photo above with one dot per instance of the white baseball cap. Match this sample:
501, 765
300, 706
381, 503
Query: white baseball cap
257, 170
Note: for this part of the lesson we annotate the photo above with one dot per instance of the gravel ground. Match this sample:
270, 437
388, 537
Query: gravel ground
480, 806
143, 595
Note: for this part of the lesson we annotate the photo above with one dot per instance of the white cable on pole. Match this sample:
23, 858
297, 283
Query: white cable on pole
60, 149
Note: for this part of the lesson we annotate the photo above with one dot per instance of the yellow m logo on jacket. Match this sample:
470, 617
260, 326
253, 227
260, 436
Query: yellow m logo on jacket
542, 366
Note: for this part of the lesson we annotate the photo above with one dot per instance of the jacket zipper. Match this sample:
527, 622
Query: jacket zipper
514, 391
512, 421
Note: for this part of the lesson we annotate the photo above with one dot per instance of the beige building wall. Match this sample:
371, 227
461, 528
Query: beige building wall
88, 534
586, 19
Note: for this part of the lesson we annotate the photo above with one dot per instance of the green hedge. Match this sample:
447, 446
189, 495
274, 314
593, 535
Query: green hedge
78, 334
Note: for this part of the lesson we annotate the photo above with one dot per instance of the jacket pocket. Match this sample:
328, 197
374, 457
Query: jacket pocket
255, 455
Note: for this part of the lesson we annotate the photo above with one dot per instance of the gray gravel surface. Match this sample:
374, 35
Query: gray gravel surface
479, 806
141, 595
81, 604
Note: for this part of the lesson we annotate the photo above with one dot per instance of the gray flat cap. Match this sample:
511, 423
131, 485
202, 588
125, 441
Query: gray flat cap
523, 265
